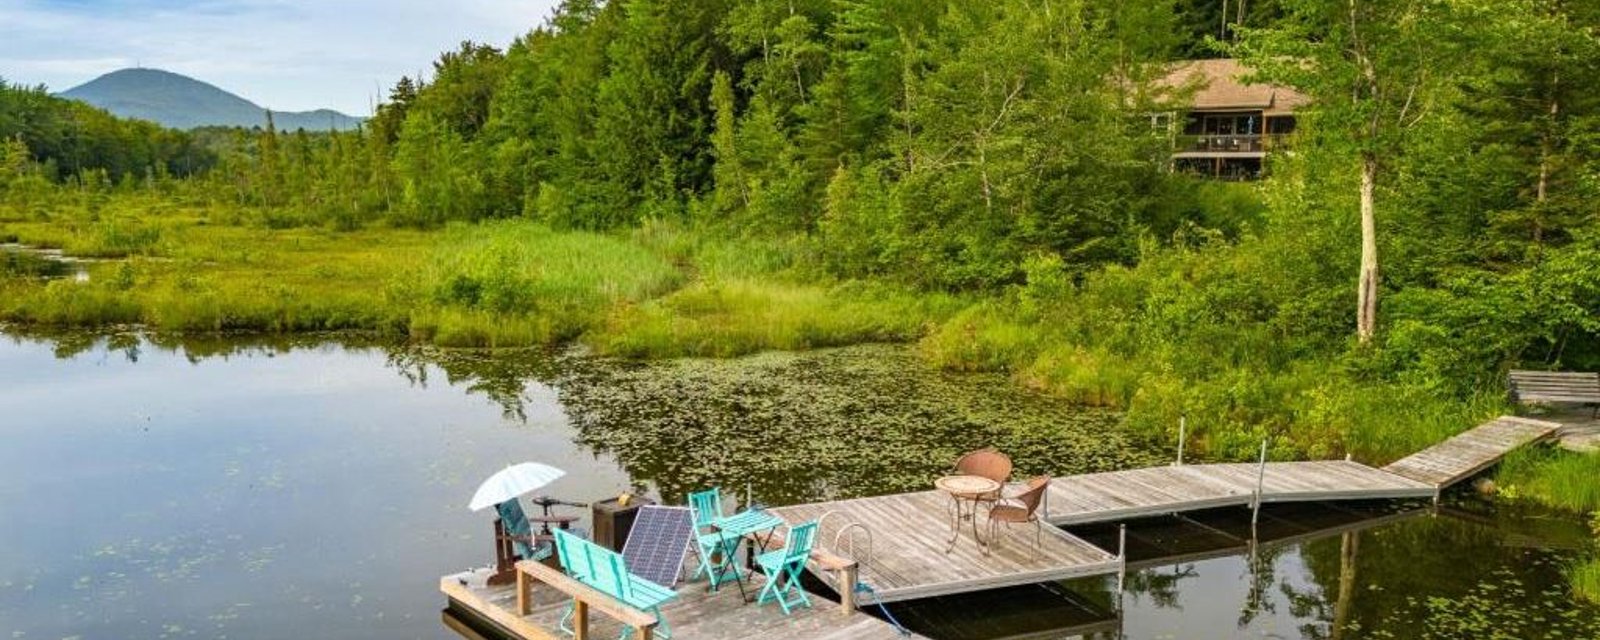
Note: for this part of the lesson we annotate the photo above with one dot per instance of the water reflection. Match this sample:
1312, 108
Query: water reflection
1318, 571
31, 262
314, 486
248, 490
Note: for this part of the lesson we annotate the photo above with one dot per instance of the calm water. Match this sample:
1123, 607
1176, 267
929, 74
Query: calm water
226, 489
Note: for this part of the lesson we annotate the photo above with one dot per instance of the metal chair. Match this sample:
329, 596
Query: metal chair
783, 566
1021, 508
986, 463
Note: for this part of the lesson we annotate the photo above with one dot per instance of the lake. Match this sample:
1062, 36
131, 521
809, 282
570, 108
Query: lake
317, 487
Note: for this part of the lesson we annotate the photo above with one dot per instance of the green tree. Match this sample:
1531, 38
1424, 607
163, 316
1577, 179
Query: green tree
1374, 71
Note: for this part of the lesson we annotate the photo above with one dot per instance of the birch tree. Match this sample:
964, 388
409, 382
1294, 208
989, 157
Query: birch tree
1372, 69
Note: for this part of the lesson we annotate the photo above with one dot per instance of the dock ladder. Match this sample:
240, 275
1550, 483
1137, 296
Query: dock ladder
844, 545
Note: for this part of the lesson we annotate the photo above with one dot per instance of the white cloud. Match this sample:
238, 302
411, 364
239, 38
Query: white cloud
284, 55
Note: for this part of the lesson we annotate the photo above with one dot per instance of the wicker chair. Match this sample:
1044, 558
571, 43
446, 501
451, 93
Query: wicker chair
986, 463
1021, 508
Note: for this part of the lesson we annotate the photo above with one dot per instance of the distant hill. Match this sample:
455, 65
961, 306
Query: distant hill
181, 102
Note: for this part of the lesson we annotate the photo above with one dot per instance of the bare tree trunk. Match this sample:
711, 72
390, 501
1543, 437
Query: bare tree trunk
1367, 293
1542, 189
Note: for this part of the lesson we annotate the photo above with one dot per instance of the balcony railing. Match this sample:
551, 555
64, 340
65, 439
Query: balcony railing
1230, 143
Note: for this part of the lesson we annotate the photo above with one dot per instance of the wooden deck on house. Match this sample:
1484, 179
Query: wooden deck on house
696, 615
911, 531
1467, 454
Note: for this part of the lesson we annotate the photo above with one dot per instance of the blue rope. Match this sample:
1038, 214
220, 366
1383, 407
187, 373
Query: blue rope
862, 587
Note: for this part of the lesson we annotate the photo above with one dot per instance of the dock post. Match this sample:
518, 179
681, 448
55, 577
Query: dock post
1183, 427
849, 575
1261, 479
1122, 559
580, 619
523, 593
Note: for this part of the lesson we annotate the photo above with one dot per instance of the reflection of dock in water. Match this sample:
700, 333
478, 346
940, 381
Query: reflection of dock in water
1089, 608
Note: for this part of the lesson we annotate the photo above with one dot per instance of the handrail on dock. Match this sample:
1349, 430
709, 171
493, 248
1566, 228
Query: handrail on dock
850, 526
584, 597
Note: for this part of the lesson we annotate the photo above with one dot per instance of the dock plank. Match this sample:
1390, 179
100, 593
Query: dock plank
910, 534
1472, 451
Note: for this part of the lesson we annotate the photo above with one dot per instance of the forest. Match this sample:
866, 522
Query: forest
660, 178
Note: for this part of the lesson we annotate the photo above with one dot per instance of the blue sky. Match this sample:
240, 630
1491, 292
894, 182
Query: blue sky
282, 54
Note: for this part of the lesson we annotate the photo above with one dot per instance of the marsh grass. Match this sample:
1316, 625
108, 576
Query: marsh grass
1562, 479
741, 316
517, 283
659, 291
1585, 579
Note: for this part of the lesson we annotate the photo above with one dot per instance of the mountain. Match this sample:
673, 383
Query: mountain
181, 102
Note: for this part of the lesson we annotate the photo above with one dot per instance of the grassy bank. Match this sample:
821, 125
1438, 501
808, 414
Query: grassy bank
1564, 480
1182, 334
655, 292
1210, 332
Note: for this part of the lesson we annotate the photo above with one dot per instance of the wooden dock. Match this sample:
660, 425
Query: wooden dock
898, 544
1154, 491
697, 614
1467, 454
910, 533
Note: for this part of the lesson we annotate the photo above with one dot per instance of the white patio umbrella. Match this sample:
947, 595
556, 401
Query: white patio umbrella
513, 481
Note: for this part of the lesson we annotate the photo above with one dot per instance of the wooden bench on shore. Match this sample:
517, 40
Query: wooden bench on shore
1543, 387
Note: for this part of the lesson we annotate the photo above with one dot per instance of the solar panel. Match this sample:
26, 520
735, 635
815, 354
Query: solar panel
657, 543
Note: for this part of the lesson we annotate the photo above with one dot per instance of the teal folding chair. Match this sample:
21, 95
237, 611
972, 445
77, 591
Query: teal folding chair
707, 509
783, 566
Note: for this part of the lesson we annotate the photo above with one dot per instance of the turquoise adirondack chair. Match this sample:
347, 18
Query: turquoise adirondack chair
611, 576
707, 509
575, 563
783, 566
605, 570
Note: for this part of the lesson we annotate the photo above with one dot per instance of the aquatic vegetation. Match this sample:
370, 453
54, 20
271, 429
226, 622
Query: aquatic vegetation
1481, 614
833, 423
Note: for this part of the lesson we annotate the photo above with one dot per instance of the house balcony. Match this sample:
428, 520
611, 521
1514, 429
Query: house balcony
1227, 145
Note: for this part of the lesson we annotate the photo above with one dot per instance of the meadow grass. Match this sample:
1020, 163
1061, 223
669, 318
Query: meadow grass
734, 317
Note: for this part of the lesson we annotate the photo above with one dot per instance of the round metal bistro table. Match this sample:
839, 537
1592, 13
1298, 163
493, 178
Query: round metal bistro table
965, 493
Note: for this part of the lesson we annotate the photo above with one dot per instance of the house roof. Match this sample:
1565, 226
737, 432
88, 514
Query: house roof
1218, 85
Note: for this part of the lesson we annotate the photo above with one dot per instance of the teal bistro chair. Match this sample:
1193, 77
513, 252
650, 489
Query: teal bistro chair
783, 566
707, 509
